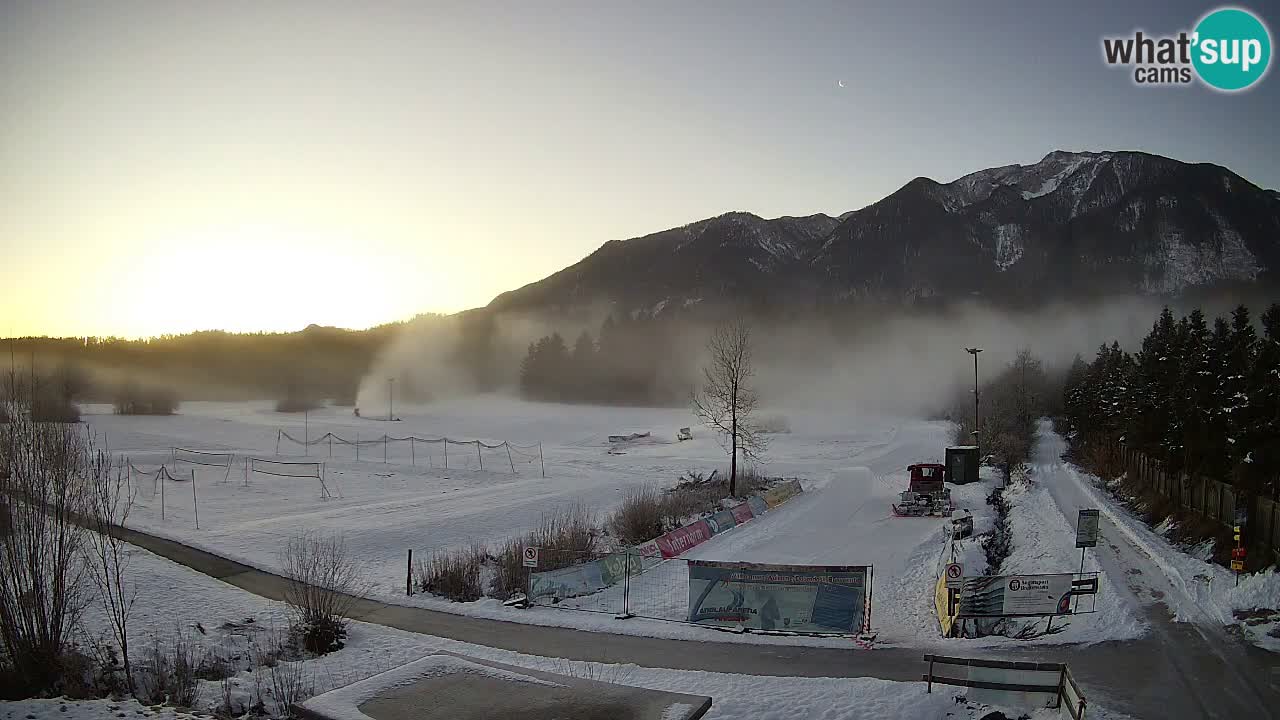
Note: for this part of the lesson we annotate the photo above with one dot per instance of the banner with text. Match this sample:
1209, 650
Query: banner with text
1013, 595
683, 538
795, 598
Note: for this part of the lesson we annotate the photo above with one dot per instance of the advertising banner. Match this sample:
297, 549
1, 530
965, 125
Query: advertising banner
649, 549
796, 598
566, 582
721, 521
1012, 595
758, 505
781, 492
741, 513
614, 567
681, 539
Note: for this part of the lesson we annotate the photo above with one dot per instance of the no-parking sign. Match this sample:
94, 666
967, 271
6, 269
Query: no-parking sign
531, 557
955, 574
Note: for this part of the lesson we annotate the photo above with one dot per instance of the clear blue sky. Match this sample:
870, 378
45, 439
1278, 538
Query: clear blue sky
398, 157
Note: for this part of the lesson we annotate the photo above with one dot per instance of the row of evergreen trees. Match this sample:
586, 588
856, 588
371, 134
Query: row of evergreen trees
1205, 400
630, 363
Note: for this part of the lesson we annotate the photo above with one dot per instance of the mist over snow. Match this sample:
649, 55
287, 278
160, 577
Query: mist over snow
909, 363
915, 364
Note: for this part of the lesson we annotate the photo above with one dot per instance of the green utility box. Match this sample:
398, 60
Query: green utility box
962, 464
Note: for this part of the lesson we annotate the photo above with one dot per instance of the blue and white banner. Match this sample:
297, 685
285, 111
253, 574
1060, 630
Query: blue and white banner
1016, 595
793, 598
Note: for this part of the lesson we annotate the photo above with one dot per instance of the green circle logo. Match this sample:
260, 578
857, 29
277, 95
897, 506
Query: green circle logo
1232, 49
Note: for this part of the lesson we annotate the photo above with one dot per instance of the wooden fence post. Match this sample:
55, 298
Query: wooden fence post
195, 503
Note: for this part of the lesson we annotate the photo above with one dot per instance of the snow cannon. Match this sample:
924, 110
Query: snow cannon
926, 495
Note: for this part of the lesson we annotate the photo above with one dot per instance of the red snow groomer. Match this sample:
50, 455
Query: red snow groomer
925, 496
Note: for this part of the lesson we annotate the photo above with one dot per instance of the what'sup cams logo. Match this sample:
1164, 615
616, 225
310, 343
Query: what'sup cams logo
1229, 50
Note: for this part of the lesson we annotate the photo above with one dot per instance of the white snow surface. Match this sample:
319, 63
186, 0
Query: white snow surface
172, 596
387, 508
1044, 542
1032, 181
853, 468
66, 709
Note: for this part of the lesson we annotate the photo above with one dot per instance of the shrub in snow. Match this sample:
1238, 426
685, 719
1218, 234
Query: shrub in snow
509, 573
566, 537
324, 584
133, 399
291, 683
641, 517
453, 574
167, 672
42, 572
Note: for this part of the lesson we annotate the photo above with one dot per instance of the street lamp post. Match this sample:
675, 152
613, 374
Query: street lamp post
974, 352
391, 399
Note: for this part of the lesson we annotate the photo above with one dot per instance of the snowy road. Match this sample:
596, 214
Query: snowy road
1221, 676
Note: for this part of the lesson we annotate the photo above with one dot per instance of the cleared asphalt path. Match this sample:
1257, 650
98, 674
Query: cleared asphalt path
1173, 672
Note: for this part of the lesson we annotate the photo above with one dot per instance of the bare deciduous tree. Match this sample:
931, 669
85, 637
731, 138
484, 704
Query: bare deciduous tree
109, 502
727, 399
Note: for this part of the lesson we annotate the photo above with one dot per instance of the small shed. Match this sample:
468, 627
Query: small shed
962, 464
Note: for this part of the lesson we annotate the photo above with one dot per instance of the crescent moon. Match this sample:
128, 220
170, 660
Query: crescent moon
840, 83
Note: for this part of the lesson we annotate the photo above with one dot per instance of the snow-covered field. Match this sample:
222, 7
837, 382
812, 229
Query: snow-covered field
173, 598
853, 466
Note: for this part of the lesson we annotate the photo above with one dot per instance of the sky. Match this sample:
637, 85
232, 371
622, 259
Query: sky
179, 165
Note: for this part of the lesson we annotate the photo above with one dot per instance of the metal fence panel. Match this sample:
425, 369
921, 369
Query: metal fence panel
573, 580
661, 592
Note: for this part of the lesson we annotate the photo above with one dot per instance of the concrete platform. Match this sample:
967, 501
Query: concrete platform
456, 687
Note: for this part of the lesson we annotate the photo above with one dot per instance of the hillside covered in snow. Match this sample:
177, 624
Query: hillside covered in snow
1071, 226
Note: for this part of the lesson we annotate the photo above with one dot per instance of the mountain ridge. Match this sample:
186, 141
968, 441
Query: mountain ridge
1074, 224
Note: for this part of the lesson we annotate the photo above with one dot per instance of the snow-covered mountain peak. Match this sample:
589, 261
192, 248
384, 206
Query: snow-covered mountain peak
1029, 181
